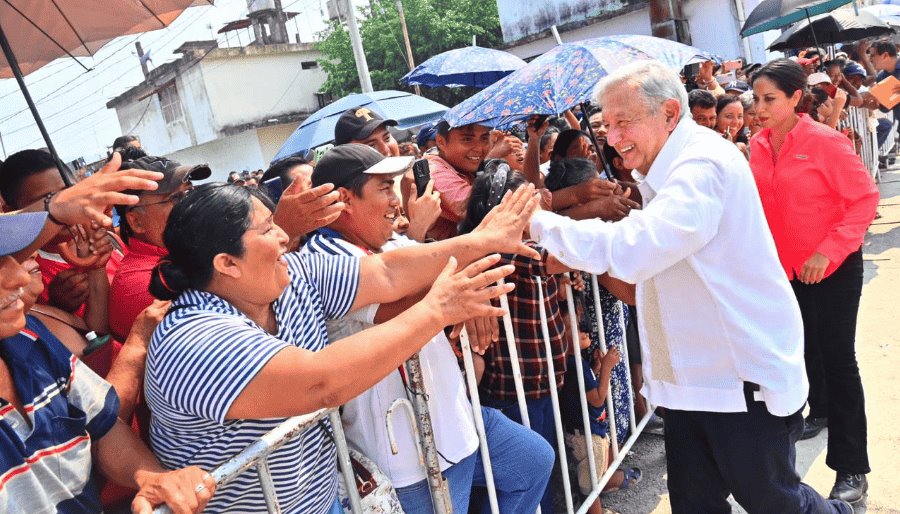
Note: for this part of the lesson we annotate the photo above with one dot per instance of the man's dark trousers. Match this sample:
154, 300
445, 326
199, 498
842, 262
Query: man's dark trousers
750, 454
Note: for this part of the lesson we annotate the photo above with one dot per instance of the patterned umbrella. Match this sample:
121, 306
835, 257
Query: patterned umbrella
774, 14
407, 109
471, 66
564, 77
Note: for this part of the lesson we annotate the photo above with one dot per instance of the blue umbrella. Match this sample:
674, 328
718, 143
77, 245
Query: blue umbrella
471, 66
564, 77
408, 109
775, 14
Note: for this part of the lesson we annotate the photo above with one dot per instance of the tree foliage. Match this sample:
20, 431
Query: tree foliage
434, 26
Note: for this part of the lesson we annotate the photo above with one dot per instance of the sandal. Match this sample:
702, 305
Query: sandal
632, 477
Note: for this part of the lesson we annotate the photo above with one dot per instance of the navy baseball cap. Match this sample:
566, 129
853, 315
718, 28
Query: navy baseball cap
20, 230
426, 134
853, 68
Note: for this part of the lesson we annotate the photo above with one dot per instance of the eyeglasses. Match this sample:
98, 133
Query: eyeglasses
173, 198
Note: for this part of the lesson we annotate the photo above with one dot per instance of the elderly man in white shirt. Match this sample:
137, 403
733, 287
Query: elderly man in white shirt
721, 332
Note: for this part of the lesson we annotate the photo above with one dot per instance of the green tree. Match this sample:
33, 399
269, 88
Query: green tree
434, 26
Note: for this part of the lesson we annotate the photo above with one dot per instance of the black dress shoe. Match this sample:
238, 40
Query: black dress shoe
848, 487
812, 427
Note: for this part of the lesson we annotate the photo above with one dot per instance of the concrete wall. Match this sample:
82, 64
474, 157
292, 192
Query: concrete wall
714, 27
233, 153
271, 138
254, 83
144, 118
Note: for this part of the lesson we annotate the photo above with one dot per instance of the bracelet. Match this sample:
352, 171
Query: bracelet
47, 199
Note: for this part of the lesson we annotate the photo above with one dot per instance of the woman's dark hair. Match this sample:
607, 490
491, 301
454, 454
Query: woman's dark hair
787, 75
569, 172
488, 190
281, 169
209, 220
726, 100
811, 102
545, 139
564, 141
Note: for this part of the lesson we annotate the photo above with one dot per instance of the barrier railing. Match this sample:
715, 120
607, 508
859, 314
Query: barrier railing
256, 454
867, 145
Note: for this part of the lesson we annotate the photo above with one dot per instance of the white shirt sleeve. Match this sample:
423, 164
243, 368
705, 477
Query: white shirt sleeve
678, 222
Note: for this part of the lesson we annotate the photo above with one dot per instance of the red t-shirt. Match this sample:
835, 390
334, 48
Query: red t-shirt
52, 264
130, 290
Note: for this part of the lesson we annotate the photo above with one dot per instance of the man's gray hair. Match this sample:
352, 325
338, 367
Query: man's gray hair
655, 81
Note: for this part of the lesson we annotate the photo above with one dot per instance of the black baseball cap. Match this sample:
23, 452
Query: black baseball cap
174, 173
357, 124
345, 162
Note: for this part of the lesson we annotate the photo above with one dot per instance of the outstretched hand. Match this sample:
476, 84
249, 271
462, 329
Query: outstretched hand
303, 209
88, 201
503, 226
460, 294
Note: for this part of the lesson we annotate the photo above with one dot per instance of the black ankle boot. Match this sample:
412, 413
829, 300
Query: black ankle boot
849, 487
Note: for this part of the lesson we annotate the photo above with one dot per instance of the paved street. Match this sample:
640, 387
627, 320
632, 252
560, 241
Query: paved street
878, 351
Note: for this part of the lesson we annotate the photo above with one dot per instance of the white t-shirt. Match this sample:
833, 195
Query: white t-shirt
364, 416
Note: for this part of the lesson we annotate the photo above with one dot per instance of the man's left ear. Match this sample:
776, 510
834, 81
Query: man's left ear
672, 110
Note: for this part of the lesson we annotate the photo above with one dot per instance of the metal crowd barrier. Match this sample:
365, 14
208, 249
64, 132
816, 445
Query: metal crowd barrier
867, 146
256, 454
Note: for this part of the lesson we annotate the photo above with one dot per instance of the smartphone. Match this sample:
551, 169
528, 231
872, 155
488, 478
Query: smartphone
421, 174
274, 188
691, 70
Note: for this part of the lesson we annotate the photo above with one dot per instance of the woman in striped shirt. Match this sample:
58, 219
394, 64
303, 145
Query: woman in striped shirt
244, 345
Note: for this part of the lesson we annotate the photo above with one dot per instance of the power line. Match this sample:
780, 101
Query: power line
73, 84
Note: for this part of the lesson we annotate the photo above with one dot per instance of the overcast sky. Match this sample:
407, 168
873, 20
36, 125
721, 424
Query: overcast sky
72, 102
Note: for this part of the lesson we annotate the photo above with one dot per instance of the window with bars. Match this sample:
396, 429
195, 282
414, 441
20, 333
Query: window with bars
170, 104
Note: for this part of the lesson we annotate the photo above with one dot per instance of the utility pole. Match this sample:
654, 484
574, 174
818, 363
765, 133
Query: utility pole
362, 67
409, 55
667, 21
140, 54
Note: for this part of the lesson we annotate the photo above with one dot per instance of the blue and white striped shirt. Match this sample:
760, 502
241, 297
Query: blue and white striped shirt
204, 354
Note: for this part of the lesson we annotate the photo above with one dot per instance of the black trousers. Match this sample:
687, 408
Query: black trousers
829, 311
748, 454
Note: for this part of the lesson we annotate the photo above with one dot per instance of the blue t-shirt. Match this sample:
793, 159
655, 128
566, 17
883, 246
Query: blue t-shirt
47, 468
571, 400
203, 355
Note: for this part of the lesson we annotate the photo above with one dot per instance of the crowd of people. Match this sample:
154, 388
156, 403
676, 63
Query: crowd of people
153, 327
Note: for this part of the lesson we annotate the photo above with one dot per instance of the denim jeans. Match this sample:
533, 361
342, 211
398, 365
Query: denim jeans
540, 417
521, 462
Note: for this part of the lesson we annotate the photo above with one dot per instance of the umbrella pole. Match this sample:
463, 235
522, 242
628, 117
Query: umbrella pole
812, 30
606, 168
14, 66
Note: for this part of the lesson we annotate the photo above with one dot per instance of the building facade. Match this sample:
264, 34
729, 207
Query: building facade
229, 107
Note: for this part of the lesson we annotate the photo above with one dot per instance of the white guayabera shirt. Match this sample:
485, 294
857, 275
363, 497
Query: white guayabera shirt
715, 309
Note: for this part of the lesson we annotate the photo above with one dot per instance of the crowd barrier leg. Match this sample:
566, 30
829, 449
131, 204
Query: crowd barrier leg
554, 398
514, 361
514, 358
579, 367
440, 492
479, 419
343, 454
610, 407
268, 487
